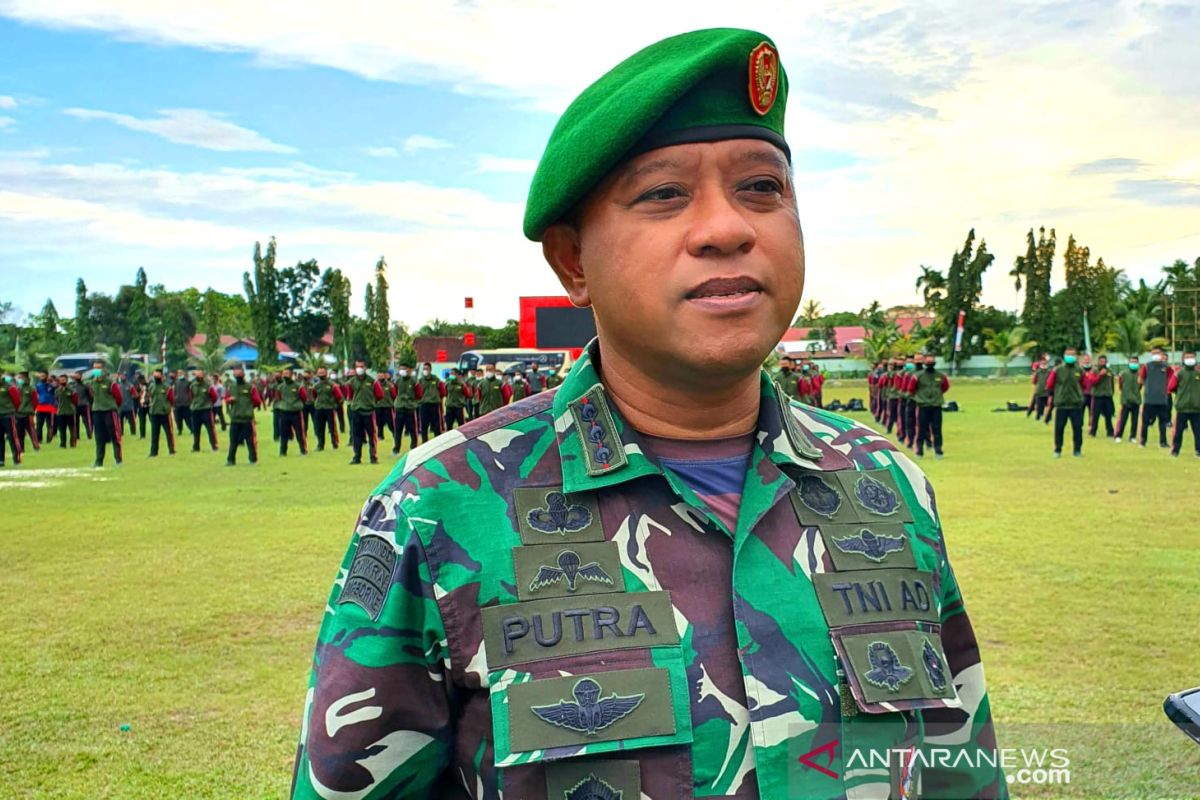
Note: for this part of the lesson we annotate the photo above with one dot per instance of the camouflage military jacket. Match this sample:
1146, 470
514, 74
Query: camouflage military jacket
531, 607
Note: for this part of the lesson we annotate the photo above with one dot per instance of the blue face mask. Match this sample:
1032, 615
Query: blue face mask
1069, 359
96, 373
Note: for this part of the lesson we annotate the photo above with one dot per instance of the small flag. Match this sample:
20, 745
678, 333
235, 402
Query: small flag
469, 339
468, 302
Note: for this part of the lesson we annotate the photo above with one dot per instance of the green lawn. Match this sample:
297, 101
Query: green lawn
181, 599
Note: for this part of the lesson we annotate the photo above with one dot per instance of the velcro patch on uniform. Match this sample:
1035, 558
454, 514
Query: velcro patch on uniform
868, 546
602, 447
819, 499
555, 571
874, 496
898, 667
876, 595
370, 576
581, 709
536, 630
593, 780
547, 515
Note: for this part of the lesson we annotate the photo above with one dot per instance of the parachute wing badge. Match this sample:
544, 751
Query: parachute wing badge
593, 788
570, 569
872, 545
589, 713
559, 516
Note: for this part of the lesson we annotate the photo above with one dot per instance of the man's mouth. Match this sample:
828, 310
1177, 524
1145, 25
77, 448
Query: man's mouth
725, 287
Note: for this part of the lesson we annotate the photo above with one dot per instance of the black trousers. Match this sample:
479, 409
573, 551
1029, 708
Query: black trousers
929, 428
183, 416
406, 421
1182, 420
430, 417
239, 433
143, 414
324, 421
341, 417
454, 416
64, 424
219, 416
275, 412
25, 428
8, 432
84, 413
127, 417
203, 418
910, 421
291, 426
1152, 412
1129, 413
1102, 407
385, 418
310, 412
1075, 415
362, 429
893, 413
107, 430
1039, 406
160, 423
45, 426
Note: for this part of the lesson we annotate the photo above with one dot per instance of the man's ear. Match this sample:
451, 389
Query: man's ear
561, 249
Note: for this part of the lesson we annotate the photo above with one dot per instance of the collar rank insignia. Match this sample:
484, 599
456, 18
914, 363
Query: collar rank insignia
871, 545
886, 670
571, 570
589, 713
593, 788
819, 496
876, 497
559, 516
933, 667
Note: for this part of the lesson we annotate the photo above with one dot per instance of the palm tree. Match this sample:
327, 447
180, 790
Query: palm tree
934, 283
811, 313
115, 356
311, 362
1131, 335
910, 344
877, 344
212, 359
1007, 345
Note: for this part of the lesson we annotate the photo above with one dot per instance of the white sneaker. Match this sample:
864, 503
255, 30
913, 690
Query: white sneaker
1118, 440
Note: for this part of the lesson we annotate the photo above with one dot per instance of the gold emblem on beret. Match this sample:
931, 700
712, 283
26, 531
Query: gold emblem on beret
764, 77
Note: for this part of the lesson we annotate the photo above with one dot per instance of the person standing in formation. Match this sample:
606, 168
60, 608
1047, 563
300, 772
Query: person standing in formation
127, 413
25, 412
1085, 368
289, 405
1102, 397
818, 379
929, 395
908, 405
160, 396
47, 406
243, 400
83, 407
472, 383
786, 377
1041, 395
385, 410
1185, 386
1066, 383
405, 406
204, 395
430, 392
219, 403
493, 393
143, 404
365, 392
554, 378
1153, 378
873, 378
339, 407
182, 401
457, 393
309, 383
325, 396
536, 384
10, 399
1131, 400
105, 397
65, 401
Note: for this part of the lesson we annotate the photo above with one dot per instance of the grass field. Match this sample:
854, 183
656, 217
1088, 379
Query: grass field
181, 599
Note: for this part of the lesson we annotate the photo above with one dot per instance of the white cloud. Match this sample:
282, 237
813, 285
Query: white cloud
6, 121
190, 126
7, 101
382, 152
497, 164
419, 141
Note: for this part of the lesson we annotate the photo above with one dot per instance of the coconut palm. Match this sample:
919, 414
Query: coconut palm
311, 362
877, 344
211, 359
1007, 345
811, 313
114, 356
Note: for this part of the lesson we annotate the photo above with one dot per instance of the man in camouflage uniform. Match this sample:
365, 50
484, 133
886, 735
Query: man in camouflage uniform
629, 588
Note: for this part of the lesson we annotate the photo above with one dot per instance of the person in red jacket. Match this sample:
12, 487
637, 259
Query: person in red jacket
909, 407
818, 379
10, 400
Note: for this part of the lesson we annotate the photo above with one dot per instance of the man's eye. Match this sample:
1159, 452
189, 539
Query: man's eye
661, 193
764, 185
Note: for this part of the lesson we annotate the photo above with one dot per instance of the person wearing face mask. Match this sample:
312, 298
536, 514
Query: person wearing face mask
457, 393
46, 406
65, 399
337, 381
1153, 378
493, 393
143, 404
430, 392
518, 384
929, 396
787, 377
385, 412
106, 398
289, 404
1101, 385
908, 406
83, 408
204, 397
10, 399
1066, 384
1085, 366
243, 400
536, 382
160, 396
1131, 400
471, 381
183, 402
405, 406
325, 396
806, 390
25, 412
1041, 395
1185, 386
365, 392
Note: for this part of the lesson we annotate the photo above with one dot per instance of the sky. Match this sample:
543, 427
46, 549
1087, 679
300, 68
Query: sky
174, 136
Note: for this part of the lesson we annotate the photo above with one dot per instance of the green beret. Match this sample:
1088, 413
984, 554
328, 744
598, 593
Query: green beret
703, 86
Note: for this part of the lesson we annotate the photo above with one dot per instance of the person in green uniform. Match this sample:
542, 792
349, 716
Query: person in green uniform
243, 400
182, 402
662, 580
1131, 400
554, 378
1102, 397
493, 392
1041, 396
105, 398
518, 385
204, 397
64, 412
929, 396
457, 393
430, 393
471, 382
1066, 386
1185, 386
340, 406
160, 396
25, 412
325, 396
10, 399
787, 378
405, 406
385, 412
83, 406
365, 393
289, 404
